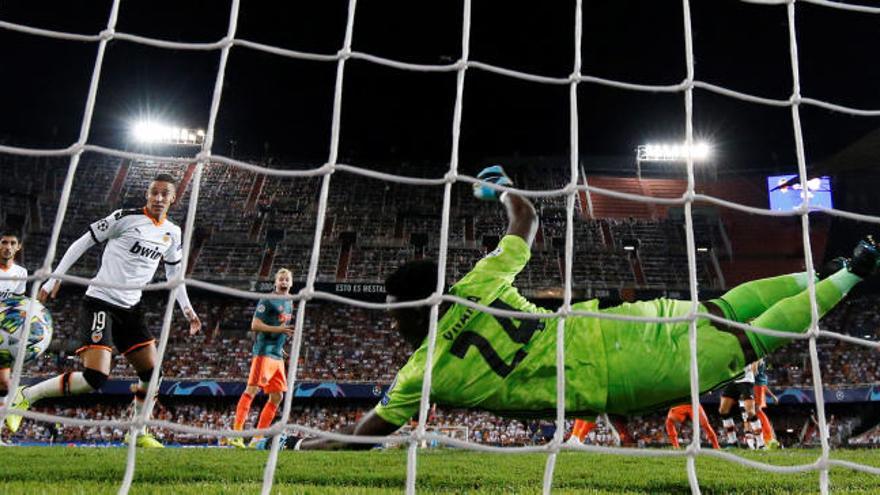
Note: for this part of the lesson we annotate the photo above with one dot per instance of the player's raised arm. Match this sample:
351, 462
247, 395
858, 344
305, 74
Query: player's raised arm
521, 215
73, 253
370, 424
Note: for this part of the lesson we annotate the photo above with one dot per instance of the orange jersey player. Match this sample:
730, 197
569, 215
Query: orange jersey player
682, 413
273, 324
583, 427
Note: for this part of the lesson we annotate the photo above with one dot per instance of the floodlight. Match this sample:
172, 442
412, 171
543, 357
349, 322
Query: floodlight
147, 131
157, 133
666, 152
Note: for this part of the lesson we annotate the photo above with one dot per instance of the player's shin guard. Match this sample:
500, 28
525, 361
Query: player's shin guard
66, 384
757, 431
140, 395
793, 313
729, 428
242, 410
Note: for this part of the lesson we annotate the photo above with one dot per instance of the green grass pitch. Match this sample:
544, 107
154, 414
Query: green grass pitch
51, 470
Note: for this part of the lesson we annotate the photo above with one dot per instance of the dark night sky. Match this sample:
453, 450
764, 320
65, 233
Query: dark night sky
389, 114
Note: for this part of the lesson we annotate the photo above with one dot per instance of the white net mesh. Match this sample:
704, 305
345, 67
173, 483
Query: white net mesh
572, 188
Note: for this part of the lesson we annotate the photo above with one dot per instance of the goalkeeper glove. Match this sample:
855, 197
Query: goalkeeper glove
494, 174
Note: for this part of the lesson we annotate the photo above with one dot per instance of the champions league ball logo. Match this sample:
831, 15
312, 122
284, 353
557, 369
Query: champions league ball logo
13, 312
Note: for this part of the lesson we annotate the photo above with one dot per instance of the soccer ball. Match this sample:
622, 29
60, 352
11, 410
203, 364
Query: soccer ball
13, 311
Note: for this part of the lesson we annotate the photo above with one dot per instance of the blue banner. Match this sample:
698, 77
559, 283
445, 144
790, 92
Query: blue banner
805, 395
213, 388
344, 391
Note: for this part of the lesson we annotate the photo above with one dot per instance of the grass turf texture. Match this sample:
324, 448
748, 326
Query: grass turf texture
51, 470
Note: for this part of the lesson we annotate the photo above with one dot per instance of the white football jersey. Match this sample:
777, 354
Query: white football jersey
135, 244
749, 376
10, 287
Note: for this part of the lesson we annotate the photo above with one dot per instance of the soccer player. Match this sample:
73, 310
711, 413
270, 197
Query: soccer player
761, 391
679, 414
10, 245
273, 323
743, 390
583, 427
508, 365
136, 240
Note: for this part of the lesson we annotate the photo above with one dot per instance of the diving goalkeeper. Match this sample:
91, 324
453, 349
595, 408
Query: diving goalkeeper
508, 365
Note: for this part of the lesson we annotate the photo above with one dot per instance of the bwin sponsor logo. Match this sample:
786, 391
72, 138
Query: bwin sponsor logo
151, 253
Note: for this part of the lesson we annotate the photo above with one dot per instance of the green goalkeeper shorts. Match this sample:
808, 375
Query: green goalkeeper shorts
649, 363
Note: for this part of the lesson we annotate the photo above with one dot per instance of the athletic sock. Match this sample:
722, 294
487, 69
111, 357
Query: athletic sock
588, 427
577, 430
792, 314
729, 430
242, 410
673, 435
137, 404
766, 427
60, 386
757, 431
750, 440
267, 415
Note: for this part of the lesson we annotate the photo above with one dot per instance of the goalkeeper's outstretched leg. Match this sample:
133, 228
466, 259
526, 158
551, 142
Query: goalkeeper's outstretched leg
648, 366
792, 312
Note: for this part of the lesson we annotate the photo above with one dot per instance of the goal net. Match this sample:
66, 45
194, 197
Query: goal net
455, 432
326, 172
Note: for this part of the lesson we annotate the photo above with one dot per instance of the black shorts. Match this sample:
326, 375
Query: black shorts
739, 391
102, 324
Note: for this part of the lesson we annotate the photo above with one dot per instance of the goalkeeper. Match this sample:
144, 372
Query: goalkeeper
508, 365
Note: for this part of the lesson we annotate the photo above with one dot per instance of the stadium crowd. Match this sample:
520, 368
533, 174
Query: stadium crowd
369, 228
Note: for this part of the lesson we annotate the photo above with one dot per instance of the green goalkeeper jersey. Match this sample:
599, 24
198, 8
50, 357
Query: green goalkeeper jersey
502, 364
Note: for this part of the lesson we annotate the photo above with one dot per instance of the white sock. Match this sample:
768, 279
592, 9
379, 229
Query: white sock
729, 430
750, 440
55, 387
759, 433
137, 404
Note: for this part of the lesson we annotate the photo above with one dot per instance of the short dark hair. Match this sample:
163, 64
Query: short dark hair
413, 280
163, 177
10, 233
